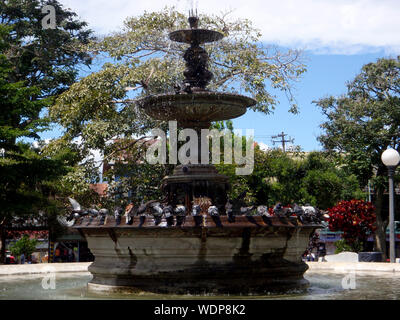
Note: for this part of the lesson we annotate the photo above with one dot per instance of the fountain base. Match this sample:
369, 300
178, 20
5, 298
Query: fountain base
247, 256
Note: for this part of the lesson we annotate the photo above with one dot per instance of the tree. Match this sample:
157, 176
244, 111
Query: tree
312, 178
36, 65
361, 124
142, 60
25, 246
356, 219
147, 62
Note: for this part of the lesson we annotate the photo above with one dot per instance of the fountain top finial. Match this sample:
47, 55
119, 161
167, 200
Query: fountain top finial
193, 19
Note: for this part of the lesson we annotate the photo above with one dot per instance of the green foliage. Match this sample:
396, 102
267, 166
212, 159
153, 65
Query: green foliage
24, 246
364, 122
145, 60
312, 178
342, 246
36, 65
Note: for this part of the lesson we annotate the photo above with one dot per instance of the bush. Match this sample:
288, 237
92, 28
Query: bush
342, 246
24, 246
356, 219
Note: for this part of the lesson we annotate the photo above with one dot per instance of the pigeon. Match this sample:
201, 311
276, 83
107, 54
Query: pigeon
142, 220
265, 215
247, 210
130, 211
177, 88
196, 210
157, 212
309, 213
103, 213
180, 213
75, 214
280, 213
168, 212
214, 213
117, 215
188, 88
196, 214
76, 207
229, 211
77, 210
299, 212
93, 213
263, 211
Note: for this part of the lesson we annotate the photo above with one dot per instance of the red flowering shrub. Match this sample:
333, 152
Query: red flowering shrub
355, 218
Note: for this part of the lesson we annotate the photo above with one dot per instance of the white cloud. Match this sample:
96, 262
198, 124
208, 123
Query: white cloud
322, 26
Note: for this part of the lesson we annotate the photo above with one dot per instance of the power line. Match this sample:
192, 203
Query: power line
282, 140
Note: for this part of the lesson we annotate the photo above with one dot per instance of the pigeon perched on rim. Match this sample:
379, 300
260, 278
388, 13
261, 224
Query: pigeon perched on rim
309, 215
93, 213
263, 211
229, 210
196, 213
214, 213
157, 211
117, 215
299, 212
180, 212
168, 212
248, 211
103, 213
281, 213
130, 212
196, 210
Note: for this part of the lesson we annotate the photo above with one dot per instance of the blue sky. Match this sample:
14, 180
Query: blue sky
326, 75
339, 37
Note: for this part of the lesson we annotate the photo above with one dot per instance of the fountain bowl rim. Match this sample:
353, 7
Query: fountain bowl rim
201, 35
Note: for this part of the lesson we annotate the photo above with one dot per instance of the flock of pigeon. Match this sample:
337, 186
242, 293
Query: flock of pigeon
176, 216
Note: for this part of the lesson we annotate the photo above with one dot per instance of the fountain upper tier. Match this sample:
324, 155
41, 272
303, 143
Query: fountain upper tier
197, 109
194, 105
198, 36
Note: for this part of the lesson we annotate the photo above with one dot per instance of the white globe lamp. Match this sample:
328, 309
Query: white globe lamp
390, 158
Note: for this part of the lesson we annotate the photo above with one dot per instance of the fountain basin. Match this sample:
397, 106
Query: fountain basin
196, 108
247, 256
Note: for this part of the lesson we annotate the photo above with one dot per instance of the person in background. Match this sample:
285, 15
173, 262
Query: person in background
22, 258
57, 254
65, 255
70, 255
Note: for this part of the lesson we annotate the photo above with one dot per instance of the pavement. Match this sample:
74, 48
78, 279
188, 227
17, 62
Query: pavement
337, 267
17, 269
344, 267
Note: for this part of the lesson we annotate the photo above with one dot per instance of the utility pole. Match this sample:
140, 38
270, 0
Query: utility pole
282, 140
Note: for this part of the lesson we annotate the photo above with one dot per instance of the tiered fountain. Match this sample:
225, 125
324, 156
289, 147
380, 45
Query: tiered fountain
204, 253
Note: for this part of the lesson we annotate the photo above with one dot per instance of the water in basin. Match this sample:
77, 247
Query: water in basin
323, 285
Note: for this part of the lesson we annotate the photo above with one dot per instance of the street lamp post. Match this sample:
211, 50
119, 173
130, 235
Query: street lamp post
390, 159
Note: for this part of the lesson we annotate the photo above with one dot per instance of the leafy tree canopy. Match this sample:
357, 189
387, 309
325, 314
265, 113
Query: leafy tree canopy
141, 58
364, 122
36, 65
312, 178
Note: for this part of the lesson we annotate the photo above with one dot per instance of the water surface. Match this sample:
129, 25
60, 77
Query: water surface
323, 285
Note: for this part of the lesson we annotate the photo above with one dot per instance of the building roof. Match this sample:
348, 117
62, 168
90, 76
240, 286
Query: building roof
99, 188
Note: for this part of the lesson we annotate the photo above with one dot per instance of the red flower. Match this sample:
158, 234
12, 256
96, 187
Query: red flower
355, 218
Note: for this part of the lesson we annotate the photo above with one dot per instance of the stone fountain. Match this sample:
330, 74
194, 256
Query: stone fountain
195, 250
